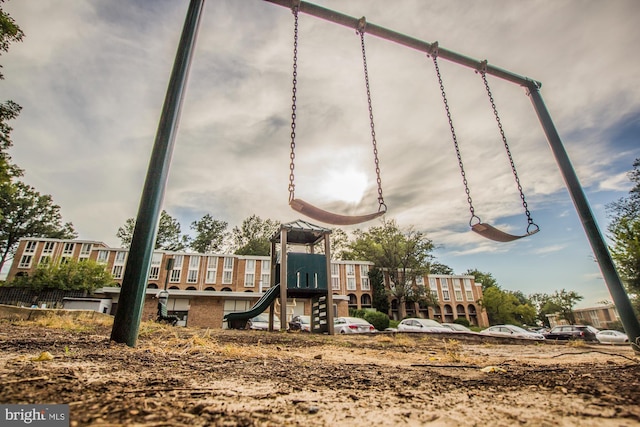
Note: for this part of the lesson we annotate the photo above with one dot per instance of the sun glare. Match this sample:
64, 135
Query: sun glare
347, 185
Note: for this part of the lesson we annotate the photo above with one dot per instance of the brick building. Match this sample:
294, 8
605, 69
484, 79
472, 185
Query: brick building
204, 287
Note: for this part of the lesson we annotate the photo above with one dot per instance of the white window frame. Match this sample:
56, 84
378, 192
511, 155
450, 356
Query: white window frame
85, 250
48, 247
156, 263
227, 270
365, 282
250, 273
117, 271
434, 288
457, 289
212, 269
30, 247
335, 277
25, 261
194, 266
265, 273
103, 257
446, 292
468, 290
176, 272
68, 248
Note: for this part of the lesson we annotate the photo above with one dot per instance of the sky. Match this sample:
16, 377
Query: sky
91, 77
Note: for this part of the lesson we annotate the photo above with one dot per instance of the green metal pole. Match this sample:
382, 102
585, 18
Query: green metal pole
129, 312
598, 245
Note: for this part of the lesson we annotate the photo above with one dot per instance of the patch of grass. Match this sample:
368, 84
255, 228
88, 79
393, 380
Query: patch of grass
576, 343
453, 350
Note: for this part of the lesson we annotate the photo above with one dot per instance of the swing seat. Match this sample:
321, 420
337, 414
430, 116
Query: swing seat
321, 215
492, 233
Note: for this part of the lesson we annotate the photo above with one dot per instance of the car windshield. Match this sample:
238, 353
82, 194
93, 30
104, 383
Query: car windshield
429, 322
519, 329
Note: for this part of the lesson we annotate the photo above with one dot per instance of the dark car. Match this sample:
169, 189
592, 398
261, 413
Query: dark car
572, 332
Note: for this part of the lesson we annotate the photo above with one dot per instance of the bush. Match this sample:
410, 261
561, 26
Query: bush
379, 320
357, 313
462, 321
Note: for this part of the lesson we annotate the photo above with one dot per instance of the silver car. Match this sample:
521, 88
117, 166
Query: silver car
512, 331
612, 337
456, 327
352, 325
261, 322
421, 325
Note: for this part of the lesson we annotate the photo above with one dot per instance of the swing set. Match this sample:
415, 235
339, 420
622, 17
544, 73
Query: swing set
127, 320
483, 229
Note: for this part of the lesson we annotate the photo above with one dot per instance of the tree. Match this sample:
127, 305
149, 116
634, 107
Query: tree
438, 268
624, 232
565, 301
403, 255
379, 301
85, 275
486, 279
10, 32
26, 213
253, 237
169, 235
210, 234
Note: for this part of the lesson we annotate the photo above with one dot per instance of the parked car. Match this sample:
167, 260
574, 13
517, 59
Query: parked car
261, 322
421, 325
612, 337
572, 332
300, 323
352, 325
456, 327
512, 331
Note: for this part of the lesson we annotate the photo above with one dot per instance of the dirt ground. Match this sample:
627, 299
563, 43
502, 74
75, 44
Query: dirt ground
194, 377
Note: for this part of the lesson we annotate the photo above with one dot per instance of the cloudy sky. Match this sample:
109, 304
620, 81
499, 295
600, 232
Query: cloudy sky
91, 77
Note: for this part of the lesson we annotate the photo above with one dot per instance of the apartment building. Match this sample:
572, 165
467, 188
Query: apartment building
204, 287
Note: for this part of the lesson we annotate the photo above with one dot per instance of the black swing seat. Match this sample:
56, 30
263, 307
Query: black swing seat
492, 233
163, 315
321, 215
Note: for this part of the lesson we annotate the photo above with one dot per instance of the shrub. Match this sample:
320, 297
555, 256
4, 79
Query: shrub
462, 321
379, 320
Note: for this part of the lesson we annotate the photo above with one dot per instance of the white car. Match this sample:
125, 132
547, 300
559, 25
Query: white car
612, 337
352, 325
421, 325
512, 331
261, 322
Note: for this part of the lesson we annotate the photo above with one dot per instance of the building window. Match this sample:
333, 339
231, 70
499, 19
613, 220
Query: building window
176, 272
48, 247
457, 289
364, 278
595, 320
85, 250
194, 265
249, 273
467, 289
30, 247
335, 277
444, 284
212, 269
156, 263
45, 259
68, 248
434, 287
351, 269
120, 257
227, 270
265, 273
351, 283
25, 261
117, 271
420, 281
103, 256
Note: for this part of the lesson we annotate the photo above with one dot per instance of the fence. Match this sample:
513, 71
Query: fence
24, 297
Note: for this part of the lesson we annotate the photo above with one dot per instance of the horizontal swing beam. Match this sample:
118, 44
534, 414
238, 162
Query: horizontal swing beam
386, 34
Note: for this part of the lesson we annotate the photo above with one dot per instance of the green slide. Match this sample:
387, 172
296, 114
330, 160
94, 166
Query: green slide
239, 319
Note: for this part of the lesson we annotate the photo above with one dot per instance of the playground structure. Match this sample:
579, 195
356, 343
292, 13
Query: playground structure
300, 275
128, 316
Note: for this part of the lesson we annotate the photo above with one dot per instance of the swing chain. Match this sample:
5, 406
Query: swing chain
362, 23
434, 55
292, 155
483, 73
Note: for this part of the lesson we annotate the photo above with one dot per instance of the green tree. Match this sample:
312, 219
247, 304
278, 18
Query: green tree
85, 275
210, 234
253, 237
10, 32
439, 268
402, 254
565, 301
379, 300
624, 232
169, 236
27, 213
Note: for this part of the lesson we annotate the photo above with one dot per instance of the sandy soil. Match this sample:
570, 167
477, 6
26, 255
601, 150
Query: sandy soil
178, 376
